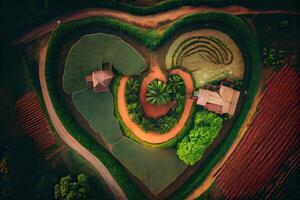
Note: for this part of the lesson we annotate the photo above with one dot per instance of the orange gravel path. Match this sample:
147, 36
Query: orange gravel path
152, 137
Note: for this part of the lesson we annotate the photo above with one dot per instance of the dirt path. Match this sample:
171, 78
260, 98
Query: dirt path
214, 172
148, 21
155, 138
67, 137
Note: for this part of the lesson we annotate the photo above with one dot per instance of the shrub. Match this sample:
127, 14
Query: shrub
206, 128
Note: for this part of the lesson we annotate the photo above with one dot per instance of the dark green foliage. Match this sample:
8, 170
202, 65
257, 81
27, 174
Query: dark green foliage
158, 93
70, 189
192, 147
45, 187
132, 89
273, 58
176, 84
156, 88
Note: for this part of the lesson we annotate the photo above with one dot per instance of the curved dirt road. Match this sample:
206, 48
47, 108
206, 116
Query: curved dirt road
68, 138
156, 138
148, 21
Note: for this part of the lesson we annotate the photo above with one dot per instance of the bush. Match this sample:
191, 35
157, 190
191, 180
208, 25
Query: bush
192, 147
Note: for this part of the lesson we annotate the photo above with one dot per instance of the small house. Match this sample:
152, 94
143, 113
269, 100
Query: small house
100, 80
224, 100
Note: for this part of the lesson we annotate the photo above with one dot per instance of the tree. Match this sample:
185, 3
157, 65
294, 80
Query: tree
44, 187
192, 147
175, 84
70, 189
158, 93
132, 89
134, 111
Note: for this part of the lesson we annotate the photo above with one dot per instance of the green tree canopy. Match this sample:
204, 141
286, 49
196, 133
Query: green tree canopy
206, 128
70, 189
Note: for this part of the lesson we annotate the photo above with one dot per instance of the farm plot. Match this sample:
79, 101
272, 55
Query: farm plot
210, 55
88, 54
271, 139
97, 109
157, 168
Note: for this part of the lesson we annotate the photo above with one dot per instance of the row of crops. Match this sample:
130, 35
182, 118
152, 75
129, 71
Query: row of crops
210, 55
271, 136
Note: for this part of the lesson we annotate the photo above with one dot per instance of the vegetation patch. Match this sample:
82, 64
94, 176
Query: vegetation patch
210, 55
156, 168
206, 128
97, 109
158, 93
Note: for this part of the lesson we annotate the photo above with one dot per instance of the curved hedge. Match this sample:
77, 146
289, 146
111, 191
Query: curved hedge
152, 40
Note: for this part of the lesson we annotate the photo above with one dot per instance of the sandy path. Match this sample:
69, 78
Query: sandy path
148, 21
155, 138
214, 172
151, 110
67, 137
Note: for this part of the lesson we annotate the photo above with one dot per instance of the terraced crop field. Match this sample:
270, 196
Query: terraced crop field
210, 55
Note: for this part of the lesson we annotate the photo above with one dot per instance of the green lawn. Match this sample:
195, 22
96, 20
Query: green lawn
156, 168
97, 109
88, 53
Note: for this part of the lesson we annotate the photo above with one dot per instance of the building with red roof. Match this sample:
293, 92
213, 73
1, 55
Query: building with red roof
100, 80
222, 101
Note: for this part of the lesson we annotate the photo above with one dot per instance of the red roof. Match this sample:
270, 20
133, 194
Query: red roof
100, 80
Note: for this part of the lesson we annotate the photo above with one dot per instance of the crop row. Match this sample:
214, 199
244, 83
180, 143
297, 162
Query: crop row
33, 121
269, 139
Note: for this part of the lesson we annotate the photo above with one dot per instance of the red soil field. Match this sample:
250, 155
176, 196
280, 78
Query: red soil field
271, 140
33, 121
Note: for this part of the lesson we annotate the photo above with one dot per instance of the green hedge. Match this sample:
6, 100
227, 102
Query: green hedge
152, 40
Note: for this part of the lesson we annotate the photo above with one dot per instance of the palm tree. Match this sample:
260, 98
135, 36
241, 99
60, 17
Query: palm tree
132, 85
175, 83
158, 93
134, 111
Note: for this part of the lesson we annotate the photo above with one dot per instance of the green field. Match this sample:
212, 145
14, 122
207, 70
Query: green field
156, 168
97, 109
88, 54
149, 165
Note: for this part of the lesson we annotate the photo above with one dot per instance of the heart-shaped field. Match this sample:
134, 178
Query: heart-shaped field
207, 51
